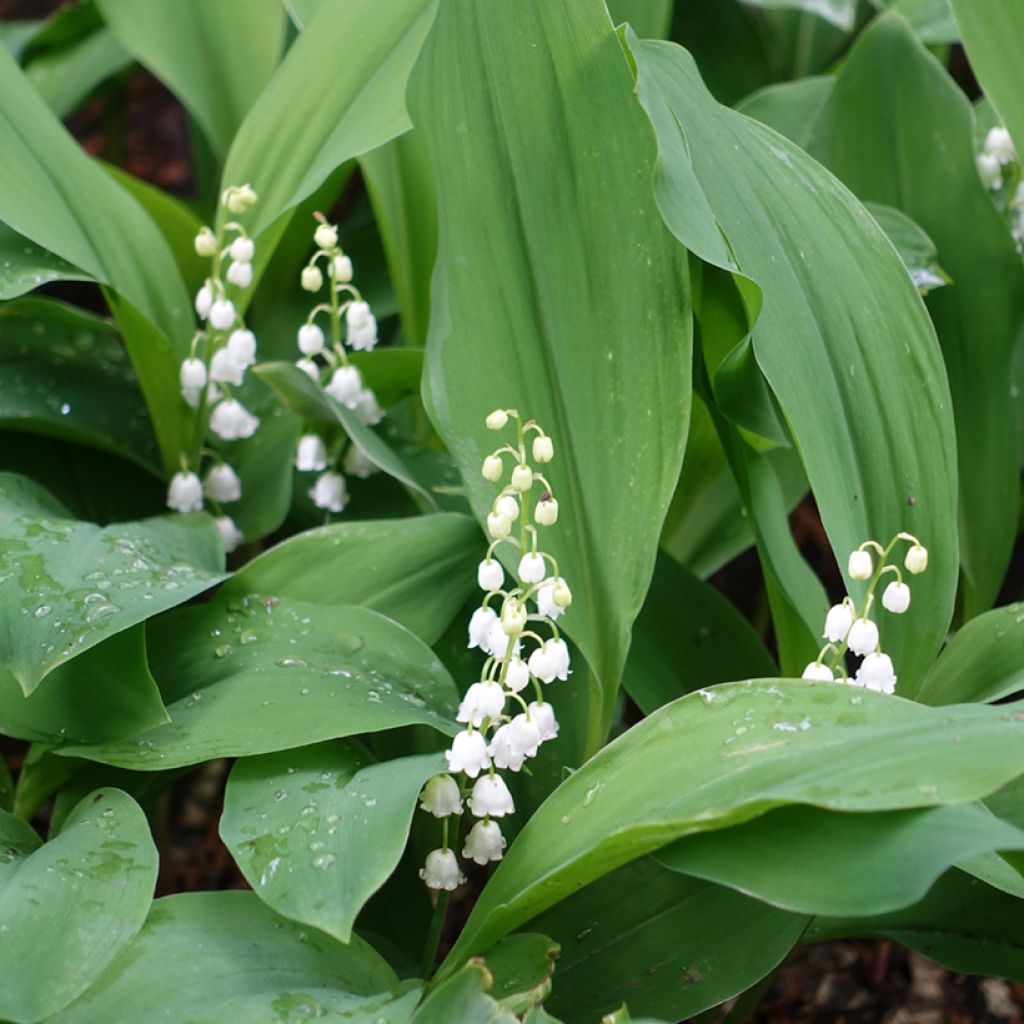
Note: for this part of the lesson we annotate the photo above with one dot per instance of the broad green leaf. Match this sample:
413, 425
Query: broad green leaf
840, 13
651, 19
536, 304
41, 774
687, 635
55, 195
521, 966
671, 945
66, 374
983, 662
25, 266
259, 674
70, 906
996, 870
339, 93
962, 923
401, 189
841, 329
65, 77
992, 32
463, 998
417, 571
104, 694
724, 755
916, 249
223, 957
317, 831
73, 584
305, 397
790, 107
932, 20
813, 861
17, 34
6, 787
215, 57
880, 132
19, 841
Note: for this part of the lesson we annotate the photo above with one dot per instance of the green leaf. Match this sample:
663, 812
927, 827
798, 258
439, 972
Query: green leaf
70, 906
222, 957
25, 266
687, 636
463, 998
81, 702
672, 945
317, 831
417, 571
983, 662
55, 195
77, 584
992, 32
962, 923
813, 861
19, 840
840, 13
651, 19
932, 20
916, 249
790, 107
216, 58
880, 132
66, 375
339, 93
258, 674
6, 787
722, 756
535, 305
521, 966
841, 329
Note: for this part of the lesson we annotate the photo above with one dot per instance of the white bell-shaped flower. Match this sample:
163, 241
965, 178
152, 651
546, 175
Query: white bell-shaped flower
357, 463
242, 346
231, 421
342, 267
311, 279
468, 754
543, 716
916, 560
484, 842
819, 672
225, 369
185, 493
863, 636
504, 752
222, 484
192, 377
517, 675
542, 664
309, 368
485, 699
558, 651
311, 340
498, 641
896, 597
364, 337
497, 419
441, 871
860, 566
492, 469
222, 315
311, 454
499, 526
543, 449
325, 236
522, 478
507, 506
441, 797
491, 798
1000, 145
490, 575
546, 512
531, 567
230, 534
877, 673
204, 301
838, 622
990, 170
345, 386
367, 409
524, 734
545, 598
242, 249
479, 625
240, 275
358, 314
330, 492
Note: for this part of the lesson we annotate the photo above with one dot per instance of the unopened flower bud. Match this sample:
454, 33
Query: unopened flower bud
497, 419
222, 314
916, 560
311, 340
490, 575
241, 198
206, 243
543, 449
513, 617
498, 526
342, 266
311, 279
819, 672
522, 477
562, 595
860, 566
325, 236
517, 675
242, 249
896, 597
546, 512
838, 622
507, 506
492, 468
204, 300
531, 567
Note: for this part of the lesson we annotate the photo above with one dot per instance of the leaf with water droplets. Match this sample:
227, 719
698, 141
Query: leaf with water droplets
68, 907
25, 266
316, 831
66, 584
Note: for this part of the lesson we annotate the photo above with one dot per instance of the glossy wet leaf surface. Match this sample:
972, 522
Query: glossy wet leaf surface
25, 266
316, 831
65, 585
258, 674
97, 880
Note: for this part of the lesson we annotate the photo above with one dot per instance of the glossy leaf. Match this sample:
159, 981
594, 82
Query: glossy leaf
97, 879
75, 584
790, 107
932, 20
687, 636
25, 266
813, 861
238, 53
983, 662
219, 957
340, 92
651, 19
534, 304
417, 571
916, 249
839, 12
104, 694
841, 329
521, 966
879, 132
722, 756
671, 945
61, 369
463, 998
317, 831
258, 674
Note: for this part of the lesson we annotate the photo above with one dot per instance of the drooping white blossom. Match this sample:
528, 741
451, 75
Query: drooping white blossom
231, 421
222, 484
483, 700
185, 492
815, 670
441, 871
441, 797
311, 454
330, 492
860, 566
468, 753
876, 672
230, 534
896, 597
490, 575
484, 843
838, 622
491, 798
863, 636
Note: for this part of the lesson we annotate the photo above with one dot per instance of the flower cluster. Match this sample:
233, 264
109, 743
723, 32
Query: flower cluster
1000, 171
848, 628
502, 729
322, 360
221, 351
